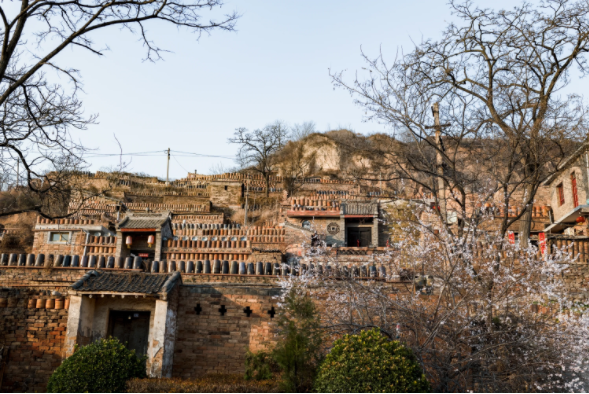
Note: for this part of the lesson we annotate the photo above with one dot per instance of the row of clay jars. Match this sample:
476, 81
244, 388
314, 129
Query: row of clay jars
38, 303
135, 205
307, 202
266, 239
64, 221
102, 240
208, 244
266, 231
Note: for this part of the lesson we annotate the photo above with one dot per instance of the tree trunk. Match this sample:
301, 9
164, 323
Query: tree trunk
525, 224
267, 179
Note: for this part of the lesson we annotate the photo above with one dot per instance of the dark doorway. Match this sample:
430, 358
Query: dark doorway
146, 256
131, 328
359, 236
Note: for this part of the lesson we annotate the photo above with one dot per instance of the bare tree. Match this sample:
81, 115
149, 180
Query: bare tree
257, 149
36, 116
498, 77
295, 165
303, 130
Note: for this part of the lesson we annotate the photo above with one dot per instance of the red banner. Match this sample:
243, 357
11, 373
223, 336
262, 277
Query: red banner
143, 255
511, 236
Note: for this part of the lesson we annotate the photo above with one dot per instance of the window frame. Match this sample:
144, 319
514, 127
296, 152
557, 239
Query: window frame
69, 237
560, 194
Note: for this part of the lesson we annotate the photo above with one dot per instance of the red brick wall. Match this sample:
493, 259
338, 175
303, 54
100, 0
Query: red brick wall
35, 337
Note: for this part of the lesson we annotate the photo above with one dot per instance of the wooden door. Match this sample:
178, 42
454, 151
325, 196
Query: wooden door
131, 328
359, 236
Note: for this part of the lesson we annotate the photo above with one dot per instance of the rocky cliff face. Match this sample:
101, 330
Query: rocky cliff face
336, 153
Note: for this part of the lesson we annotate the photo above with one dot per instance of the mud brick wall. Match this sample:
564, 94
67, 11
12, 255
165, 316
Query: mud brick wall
267, 257
226, 193
35, 336
211, 343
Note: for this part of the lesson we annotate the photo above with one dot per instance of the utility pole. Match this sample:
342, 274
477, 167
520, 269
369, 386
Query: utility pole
168, 169
246, 195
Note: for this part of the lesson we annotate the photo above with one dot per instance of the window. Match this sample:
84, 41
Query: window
63, 236
560, 191
574, 190
225, 187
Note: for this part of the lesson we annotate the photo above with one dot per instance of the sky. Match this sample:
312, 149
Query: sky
274, 67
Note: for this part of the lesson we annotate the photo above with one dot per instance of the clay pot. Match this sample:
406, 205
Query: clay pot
40, 303
59, 303
50, 303
66, 304
32, 302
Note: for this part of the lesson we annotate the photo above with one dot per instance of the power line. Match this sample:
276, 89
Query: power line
157, 153
201, 155
125, 154
180, 164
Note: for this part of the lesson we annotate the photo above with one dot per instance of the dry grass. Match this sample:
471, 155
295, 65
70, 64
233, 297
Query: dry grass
207, 384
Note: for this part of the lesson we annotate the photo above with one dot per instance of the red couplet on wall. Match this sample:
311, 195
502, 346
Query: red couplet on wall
542, 239
511, 238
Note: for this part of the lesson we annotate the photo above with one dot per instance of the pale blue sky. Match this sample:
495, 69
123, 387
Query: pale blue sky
274, 67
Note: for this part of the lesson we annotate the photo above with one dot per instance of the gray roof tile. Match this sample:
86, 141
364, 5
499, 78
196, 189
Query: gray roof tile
132, 282
144, 220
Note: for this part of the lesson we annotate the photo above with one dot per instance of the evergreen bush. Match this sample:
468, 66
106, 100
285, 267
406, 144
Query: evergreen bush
369, 362
298, 352
103, 366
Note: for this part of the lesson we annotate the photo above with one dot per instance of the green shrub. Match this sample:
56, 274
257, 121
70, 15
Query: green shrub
298, 351
369, 362
258, 366
103, 366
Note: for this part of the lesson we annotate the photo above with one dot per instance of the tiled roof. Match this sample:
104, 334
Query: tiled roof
144, 220
135, 282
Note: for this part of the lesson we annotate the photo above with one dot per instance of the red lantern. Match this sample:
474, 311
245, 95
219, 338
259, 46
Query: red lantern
580, 219
150, 240
129, 241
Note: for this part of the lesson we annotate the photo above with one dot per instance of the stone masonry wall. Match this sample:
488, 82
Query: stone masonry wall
209, 342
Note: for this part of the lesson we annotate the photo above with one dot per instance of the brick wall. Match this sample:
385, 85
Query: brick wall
211, 343
35, 337
74, 246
